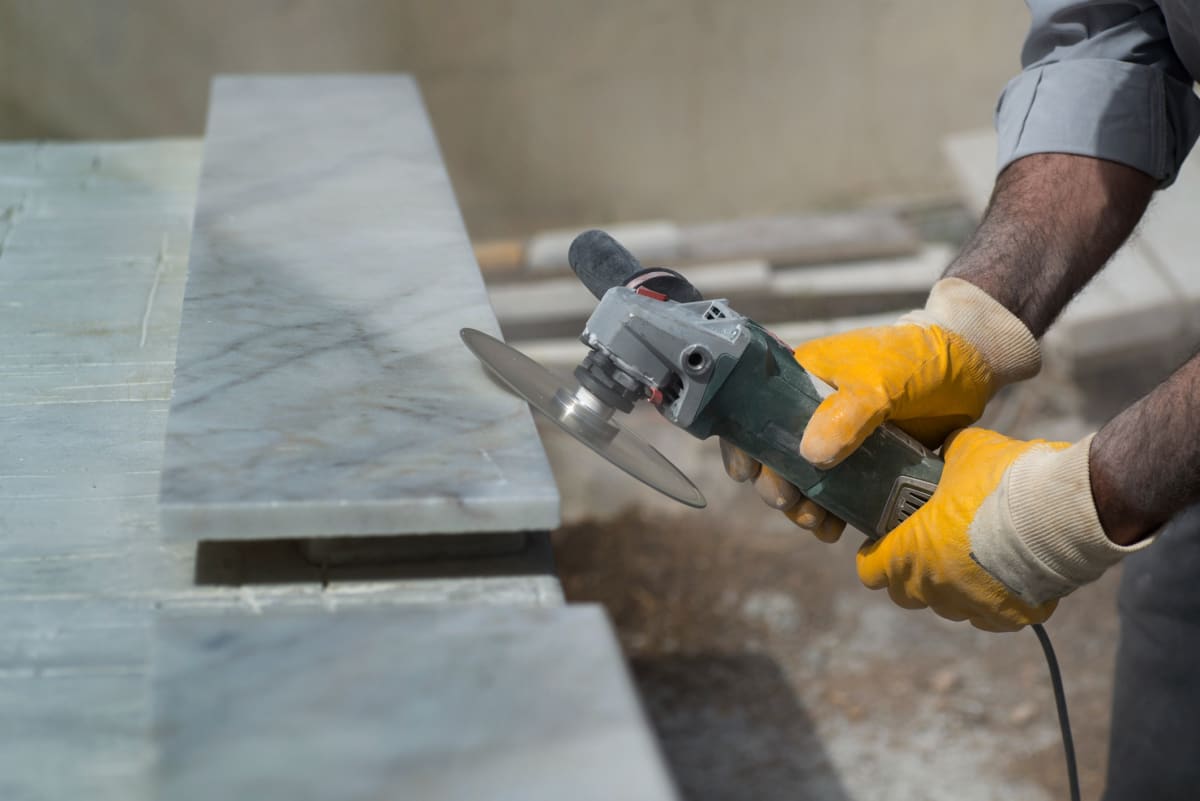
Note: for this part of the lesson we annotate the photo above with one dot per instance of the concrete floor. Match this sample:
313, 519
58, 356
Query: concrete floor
771, 673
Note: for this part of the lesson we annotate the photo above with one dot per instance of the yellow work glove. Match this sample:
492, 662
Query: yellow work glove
930, 373
779, 494
1011, 529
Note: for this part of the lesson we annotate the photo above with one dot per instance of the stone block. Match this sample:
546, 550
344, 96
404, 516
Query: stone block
321, 388
437, 704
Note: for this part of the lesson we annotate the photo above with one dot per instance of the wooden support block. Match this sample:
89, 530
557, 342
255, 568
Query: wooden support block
500, 256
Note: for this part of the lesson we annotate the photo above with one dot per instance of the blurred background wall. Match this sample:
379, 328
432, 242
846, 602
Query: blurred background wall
561, 112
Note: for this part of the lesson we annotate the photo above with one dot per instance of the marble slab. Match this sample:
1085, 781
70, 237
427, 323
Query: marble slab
321, 388
434, 704
93, 253
93, 248
75, 710
90, 290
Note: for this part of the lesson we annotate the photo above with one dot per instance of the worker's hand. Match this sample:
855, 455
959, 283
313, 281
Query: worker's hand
779, 494
1011, 529
930, 373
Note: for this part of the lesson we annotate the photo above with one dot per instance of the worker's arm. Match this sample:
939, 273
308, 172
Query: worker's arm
1145, 463
1054, 220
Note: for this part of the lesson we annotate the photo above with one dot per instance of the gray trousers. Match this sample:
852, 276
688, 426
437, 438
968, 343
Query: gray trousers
1154, 749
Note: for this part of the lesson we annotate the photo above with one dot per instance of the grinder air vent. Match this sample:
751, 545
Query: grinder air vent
908, 495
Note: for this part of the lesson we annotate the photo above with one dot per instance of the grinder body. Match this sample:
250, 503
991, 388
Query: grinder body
763, 406
713, 371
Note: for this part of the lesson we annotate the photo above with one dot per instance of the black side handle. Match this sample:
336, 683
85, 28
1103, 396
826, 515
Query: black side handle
602, 262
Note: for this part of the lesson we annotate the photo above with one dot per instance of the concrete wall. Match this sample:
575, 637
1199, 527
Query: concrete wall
558, 112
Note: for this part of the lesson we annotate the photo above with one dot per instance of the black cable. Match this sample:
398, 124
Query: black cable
1060, 701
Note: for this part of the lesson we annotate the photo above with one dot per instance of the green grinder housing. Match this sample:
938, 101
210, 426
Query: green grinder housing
763, 404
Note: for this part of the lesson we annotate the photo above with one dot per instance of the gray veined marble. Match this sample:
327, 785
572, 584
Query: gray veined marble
93, 247
320, 387
93, 242
436, 704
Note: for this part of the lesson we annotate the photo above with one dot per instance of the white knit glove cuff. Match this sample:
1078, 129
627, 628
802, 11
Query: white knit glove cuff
1008, 347
1039, 533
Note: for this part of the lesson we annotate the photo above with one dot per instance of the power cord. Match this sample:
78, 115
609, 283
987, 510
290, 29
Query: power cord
1060, 701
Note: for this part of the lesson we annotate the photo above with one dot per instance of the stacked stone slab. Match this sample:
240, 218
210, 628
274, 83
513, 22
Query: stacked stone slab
547, 316
93, 252
787, 240
321, 388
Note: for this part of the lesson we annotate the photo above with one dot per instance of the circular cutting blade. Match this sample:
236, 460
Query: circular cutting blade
544, 392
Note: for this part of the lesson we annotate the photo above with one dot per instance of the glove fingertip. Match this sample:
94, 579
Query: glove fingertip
838, 426
807, 515
820, 451
830, 530
871, 565
738, 464
775, 490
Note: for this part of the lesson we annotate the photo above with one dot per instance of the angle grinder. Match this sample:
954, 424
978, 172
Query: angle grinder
710, 371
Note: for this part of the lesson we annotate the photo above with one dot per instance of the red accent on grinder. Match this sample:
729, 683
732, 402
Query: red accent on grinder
650, 293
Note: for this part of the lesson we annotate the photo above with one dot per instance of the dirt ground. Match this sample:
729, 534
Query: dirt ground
770, 673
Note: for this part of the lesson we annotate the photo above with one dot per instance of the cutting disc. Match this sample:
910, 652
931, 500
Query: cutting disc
579, 414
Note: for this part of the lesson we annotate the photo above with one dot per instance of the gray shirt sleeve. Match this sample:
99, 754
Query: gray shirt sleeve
1102, 80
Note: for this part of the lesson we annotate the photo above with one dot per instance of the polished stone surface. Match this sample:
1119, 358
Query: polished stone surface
93, 247
93, 252
321, 388
423, 703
